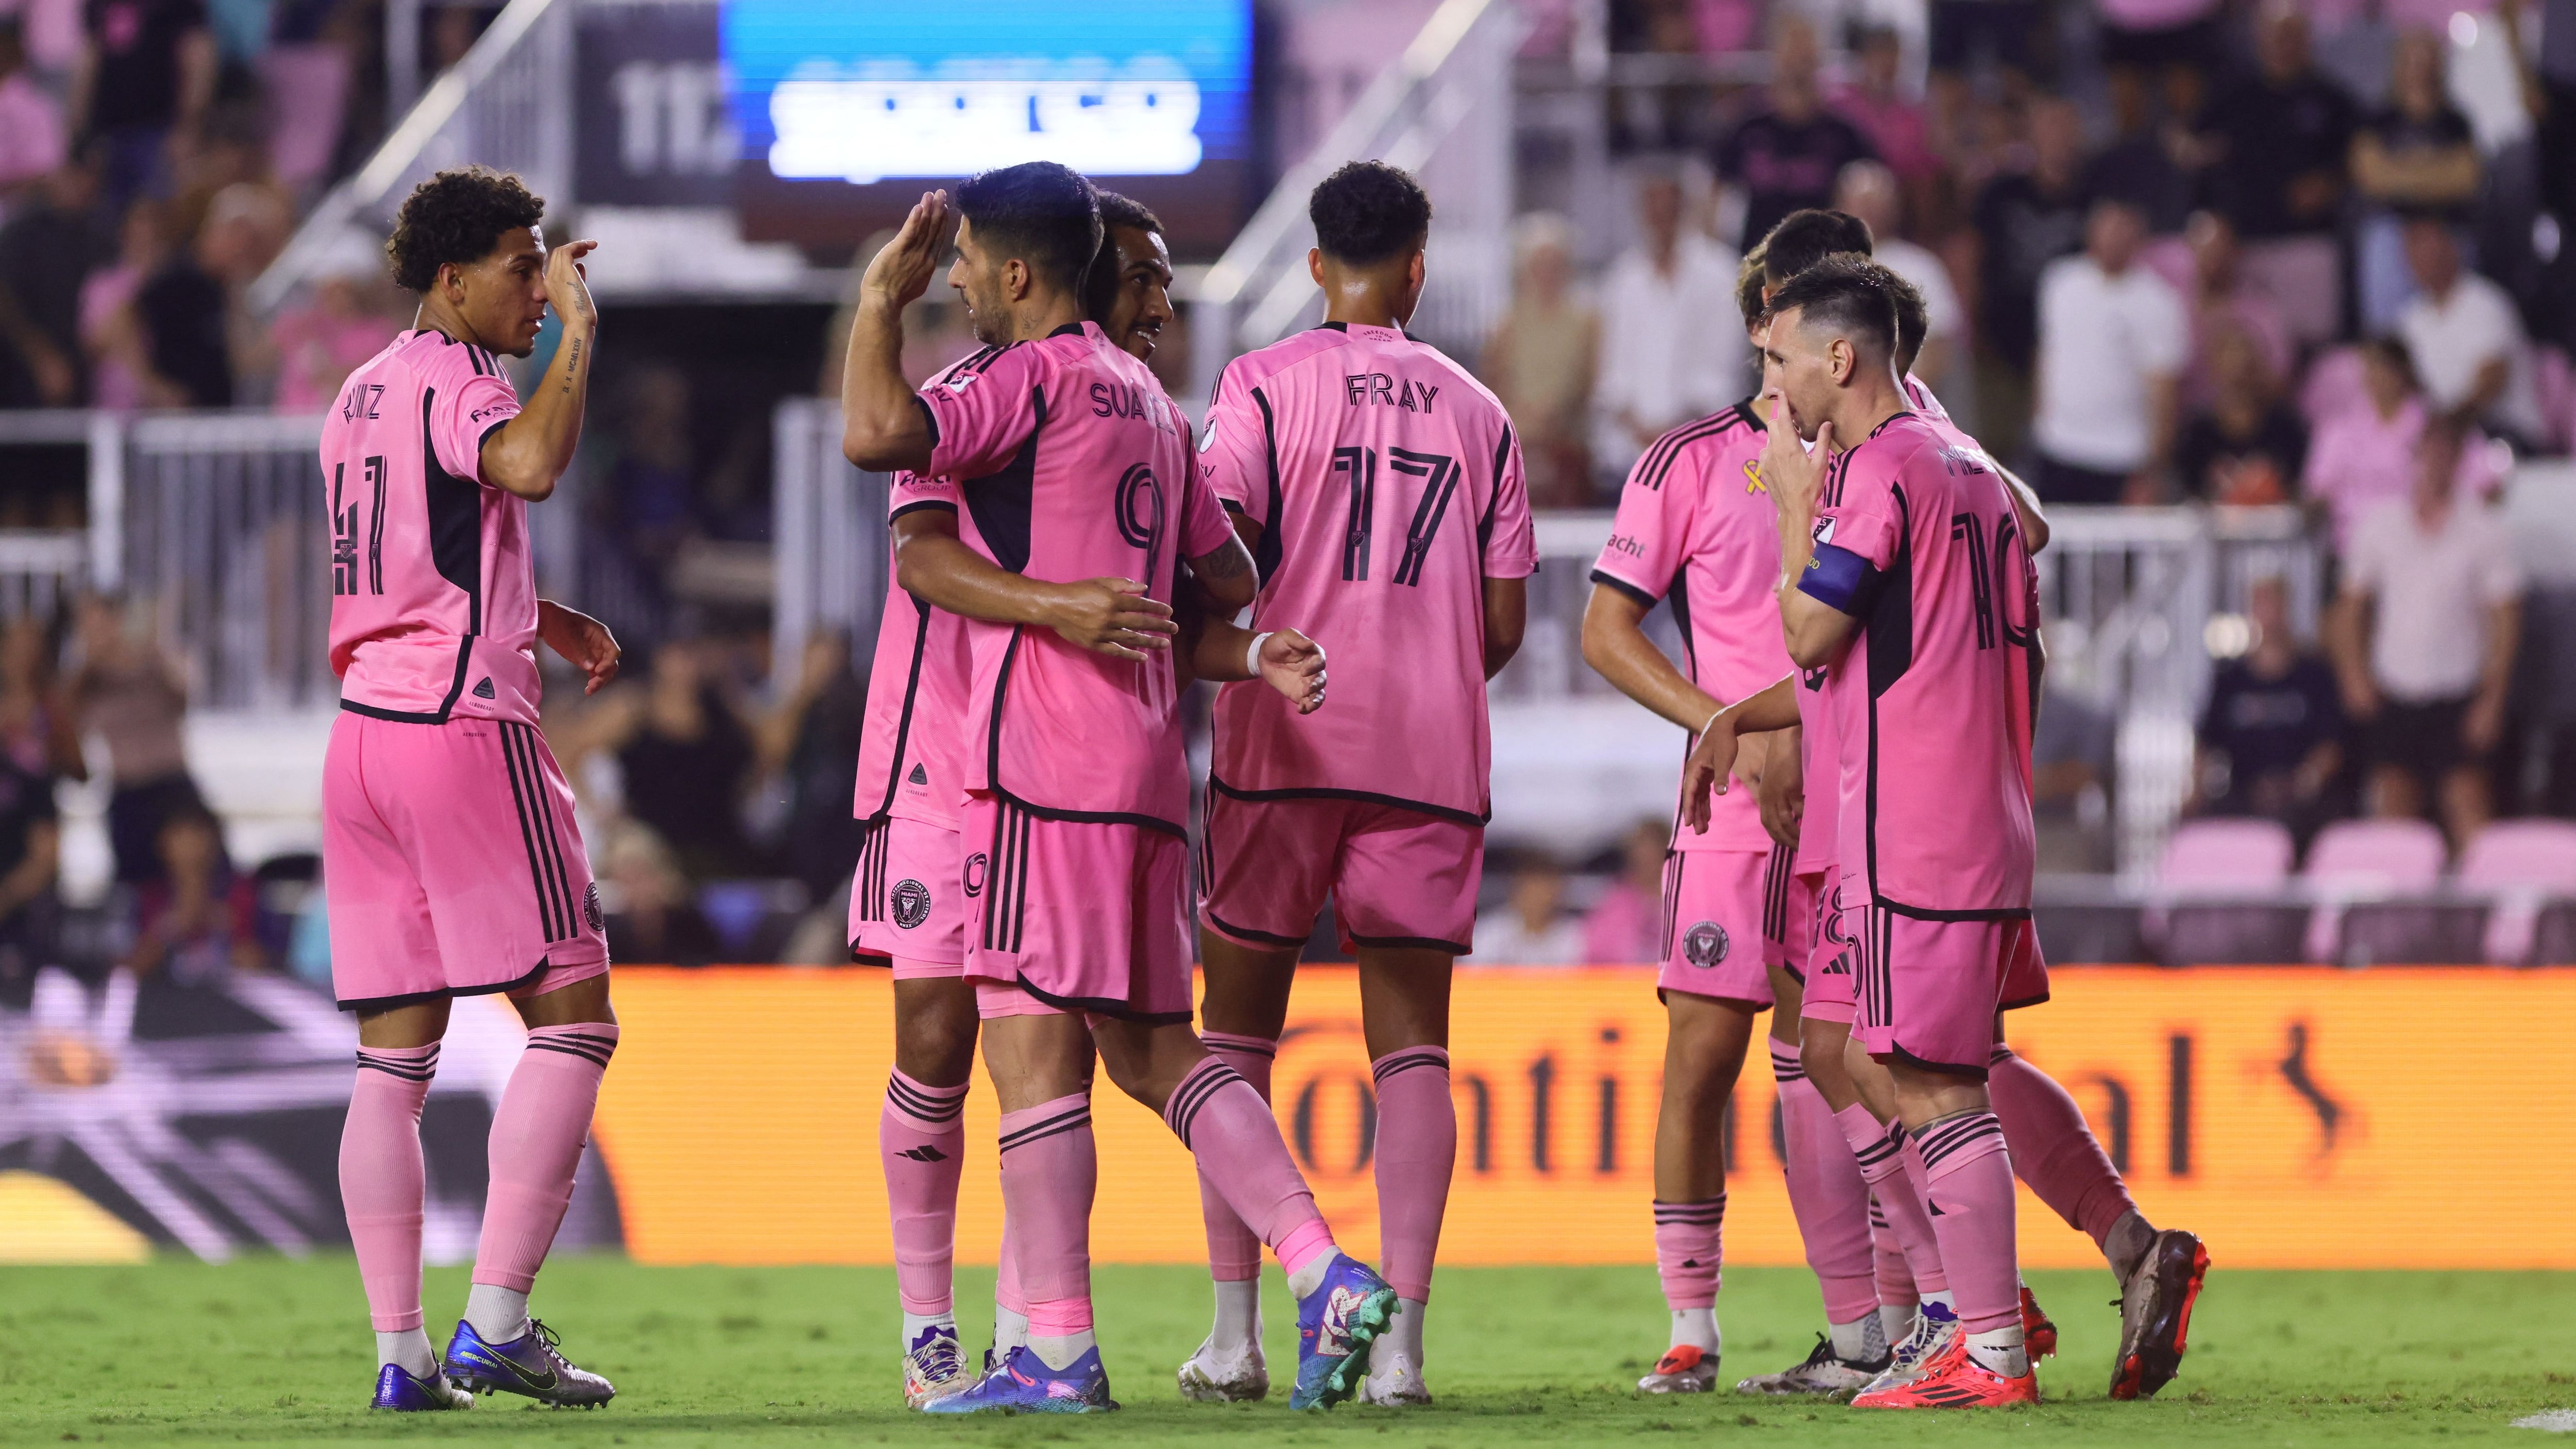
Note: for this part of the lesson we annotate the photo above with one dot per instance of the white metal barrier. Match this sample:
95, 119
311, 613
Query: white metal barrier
829, 522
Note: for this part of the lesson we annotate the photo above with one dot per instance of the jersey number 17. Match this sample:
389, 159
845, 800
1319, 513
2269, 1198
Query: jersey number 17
1439, 475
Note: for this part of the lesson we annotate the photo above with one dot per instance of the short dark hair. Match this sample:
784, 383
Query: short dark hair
1913, 316
1369, 211
1100, 284
1748, 286
457, 216
1043, 212
1845, 291
2390, 348
1804, 238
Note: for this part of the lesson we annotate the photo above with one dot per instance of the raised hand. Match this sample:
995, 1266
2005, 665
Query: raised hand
1112, 617
900, 272
568, 286
1294, 665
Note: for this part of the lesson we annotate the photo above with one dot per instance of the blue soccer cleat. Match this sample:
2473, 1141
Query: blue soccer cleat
528, 1364
1335, 1326
397, 1392
1025, 1385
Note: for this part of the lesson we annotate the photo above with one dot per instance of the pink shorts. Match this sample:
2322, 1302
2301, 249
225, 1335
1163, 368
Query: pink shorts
1930, 990
1397, 876
1827, 978
1082, 915
451, 865
908, 899
1788, 908
1715, 902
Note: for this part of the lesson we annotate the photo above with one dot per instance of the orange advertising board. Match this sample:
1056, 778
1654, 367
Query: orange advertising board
2295, 1117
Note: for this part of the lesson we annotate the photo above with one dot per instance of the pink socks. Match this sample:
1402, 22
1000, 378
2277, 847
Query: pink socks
1895, 1276
381, 1178
921, 1143
1880, 1149
1967, 1178
2054, 1150
1049, 1174
1689, 1251
1228, 1127
1826, 1192
537, 1136
1417, 1150
1234, 1254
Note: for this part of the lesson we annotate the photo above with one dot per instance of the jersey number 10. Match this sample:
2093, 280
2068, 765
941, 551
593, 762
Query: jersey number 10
1439, 475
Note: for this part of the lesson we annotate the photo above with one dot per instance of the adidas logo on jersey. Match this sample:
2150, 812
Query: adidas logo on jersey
919, 776
483, 689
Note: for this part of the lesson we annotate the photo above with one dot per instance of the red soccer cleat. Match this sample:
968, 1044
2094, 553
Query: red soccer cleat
2037, 1333
1955, 1380
2155, 1314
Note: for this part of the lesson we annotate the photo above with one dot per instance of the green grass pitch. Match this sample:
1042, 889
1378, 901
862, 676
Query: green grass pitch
268, 1351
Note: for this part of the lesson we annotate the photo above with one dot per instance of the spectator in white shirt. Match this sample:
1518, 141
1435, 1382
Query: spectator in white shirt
1664, 358
1533, 927
2113, 338
2424, 635
1869, 190
2467, 339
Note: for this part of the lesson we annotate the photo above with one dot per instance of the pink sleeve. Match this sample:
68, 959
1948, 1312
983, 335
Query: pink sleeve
1204, 526
1859, 513
1234, 450
463, 411
980, 415
917, 490
1648, 534
1509, 539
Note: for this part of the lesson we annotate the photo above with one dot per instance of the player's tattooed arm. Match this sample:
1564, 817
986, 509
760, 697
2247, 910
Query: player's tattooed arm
1714, 755
1107, 616
883, 423
1225, 578
582, 640
1286, 660
525, 455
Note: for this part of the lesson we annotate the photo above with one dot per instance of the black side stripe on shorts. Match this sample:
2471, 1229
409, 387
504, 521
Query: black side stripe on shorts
1182, 1112
1775, 895
1673, 862
419, 1071
1405, 1062
1056, 1126
593, 1049
917, 1103
537, 830
870, 886
1006, 911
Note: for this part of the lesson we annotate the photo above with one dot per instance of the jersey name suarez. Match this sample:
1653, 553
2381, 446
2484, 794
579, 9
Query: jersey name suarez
433, 590
1071, 464
912, 746
1386, 484
1917, 541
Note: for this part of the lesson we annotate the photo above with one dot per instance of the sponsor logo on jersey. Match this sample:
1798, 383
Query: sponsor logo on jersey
911, 903
1704, 945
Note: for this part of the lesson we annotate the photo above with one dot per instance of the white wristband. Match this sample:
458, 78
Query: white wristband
1252, 656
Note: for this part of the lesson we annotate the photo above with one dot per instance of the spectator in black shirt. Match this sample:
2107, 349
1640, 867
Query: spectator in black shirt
30, 853
2023, 221
1787, 153
2268, 742
2276, 146
2246, 447
2415, 156
46, 250
141, 85
190, 349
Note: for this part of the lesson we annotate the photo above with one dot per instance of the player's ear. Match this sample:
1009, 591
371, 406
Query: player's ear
1315, 264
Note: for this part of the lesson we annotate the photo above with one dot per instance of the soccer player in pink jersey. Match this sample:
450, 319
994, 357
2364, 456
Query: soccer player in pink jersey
451, 862
2053, 1148
1695, 526
1901, 562
1075, 470
1380, 487
908, 896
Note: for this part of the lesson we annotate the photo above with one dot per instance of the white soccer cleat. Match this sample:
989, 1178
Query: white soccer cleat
1394, 1381
1820, 1375
1684, 1369
1236, 1376
1912, 1356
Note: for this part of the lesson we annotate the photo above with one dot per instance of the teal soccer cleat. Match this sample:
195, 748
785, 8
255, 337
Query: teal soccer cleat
1336, 1324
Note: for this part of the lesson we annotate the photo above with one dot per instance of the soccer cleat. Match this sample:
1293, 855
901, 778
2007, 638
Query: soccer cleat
934, 1367
1935, 1328
529, 1364
1336, 1324
1821, 1375
1394, 1381
1025, 1385
1953, 1379
1685, 1368
2155, 1314
2038, 1334
398, 1392
1237, 1377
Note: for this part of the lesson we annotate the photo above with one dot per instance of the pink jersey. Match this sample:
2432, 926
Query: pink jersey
1072, 465
1387, 483
912, 747
1916, 539
1696, 525
433, 593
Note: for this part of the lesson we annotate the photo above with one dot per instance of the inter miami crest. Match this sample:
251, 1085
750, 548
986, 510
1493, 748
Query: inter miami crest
590, 907
911, 903
1704, 945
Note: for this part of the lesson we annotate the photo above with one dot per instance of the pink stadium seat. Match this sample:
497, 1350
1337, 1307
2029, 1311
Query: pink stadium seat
2230, 856
2523, 862
2368, 857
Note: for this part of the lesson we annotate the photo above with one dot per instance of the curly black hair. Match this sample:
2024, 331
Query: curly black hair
1368, 212
457, 216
